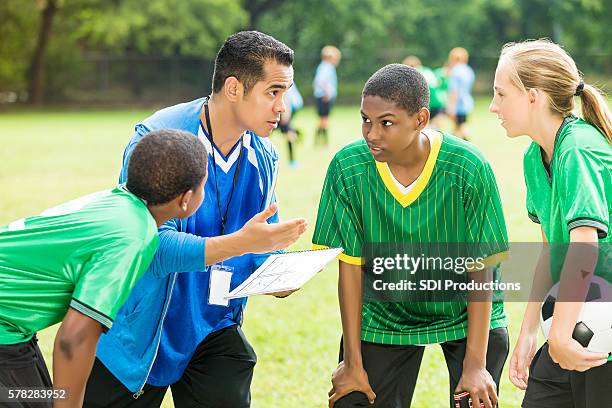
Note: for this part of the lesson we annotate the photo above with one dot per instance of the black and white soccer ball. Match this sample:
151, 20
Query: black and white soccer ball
593, 329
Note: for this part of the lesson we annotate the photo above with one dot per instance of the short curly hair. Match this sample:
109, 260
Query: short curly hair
166, 163
403, 85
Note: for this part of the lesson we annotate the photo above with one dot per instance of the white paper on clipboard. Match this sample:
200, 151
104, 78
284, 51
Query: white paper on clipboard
287, 271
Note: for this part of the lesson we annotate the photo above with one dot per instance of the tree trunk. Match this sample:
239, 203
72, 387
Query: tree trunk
37, 64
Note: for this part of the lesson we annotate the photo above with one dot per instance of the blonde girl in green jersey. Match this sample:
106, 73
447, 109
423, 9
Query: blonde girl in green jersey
569, 193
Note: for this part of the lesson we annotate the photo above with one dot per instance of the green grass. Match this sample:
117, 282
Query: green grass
51, 156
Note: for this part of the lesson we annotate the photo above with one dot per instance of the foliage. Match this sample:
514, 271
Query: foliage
370, 33
162, 27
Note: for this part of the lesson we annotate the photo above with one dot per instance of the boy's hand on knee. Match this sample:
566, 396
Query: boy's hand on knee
347, 379
479, 383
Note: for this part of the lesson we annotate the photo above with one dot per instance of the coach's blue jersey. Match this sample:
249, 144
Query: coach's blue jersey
167, 313
190, 317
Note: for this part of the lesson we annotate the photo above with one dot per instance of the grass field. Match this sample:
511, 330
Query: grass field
51, 156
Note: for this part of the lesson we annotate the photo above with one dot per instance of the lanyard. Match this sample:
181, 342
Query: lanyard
222, 215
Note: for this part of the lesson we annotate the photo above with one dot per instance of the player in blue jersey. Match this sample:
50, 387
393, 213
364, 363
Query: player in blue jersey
460, 82
175, 329
325, 87
294, 102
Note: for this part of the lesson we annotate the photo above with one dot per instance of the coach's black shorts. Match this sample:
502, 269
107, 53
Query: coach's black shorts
551, 386
22, 365
218, 376
393, 370
324, 107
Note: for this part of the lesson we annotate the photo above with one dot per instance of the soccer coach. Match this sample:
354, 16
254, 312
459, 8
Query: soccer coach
174, 329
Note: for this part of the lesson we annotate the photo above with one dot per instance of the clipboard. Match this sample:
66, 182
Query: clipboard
286, 271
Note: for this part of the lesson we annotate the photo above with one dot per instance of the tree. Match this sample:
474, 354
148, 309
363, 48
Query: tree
37, 64
256, 8
161, 27
17, 34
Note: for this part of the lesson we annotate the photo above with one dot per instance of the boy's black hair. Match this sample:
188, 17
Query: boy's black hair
166, 163
244, 54
400, 84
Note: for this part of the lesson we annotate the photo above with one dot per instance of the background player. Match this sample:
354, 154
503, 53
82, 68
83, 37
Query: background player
437, 90
293, 102
326, 89
460, 82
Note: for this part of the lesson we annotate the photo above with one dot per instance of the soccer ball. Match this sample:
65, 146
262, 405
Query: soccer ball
593, 329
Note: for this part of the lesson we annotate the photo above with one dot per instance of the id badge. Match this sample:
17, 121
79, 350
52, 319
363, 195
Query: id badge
219, 288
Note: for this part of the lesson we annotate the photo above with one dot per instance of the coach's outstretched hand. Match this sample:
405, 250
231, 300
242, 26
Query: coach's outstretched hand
255, 237
347, 379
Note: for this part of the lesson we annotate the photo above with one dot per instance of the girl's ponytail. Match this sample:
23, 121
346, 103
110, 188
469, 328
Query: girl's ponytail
595, 110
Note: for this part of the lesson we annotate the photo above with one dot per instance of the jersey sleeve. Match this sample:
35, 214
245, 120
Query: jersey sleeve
337, 221
178, 251
486, 228
529, 201
531, 211
105, 281
583, 199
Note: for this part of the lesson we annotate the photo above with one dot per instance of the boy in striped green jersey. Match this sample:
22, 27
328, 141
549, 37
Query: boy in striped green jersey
406, 184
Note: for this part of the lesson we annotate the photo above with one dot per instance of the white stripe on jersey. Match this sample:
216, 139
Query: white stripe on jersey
17, 225
252, 157
226, 166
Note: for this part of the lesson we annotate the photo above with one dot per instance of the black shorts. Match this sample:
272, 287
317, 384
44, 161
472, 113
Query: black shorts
550, 385
22, 365
218, 376
393, 370
433, 112
284, 127
324, 107
460, 119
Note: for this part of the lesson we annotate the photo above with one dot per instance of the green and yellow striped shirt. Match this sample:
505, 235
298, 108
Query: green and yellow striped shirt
454, 200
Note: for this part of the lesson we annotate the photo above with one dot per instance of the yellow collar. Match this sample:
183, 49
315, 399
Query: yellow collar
408, 198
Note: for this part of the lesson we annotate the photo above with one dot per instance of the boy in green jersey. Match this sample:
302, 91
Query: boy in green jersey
76, 263
406, 184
